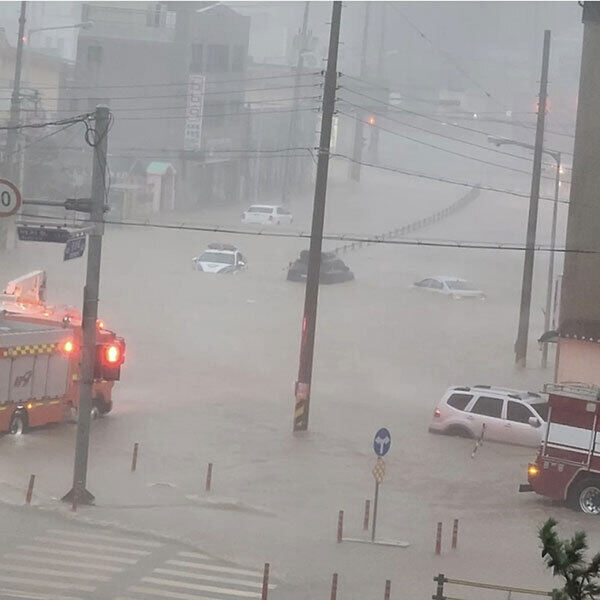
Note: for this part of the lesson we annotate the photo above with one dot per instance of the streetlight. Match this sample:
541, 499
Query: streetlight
498, 141
83, 25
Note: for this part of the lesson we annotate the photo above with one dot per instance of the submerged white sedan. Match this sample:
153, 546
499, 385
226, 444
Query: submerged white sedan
454, 287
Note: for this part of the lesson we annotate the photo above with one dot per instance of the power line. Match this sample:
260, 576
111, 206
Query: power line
77, 119
426, 116
445, 180
446, 150
447, 137
145, 85
234, 114
206, 93
432, 242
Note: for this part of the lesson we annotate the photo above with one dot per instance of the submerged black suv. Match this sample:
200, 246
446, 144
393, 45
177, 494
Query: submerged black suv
333, 269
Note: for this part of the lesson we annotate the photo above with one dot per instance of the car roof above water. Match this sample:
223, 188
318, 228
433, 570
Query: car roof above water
523, 395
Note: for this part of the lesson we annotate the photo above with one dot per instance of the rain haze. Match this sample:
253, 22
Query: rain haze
287, 285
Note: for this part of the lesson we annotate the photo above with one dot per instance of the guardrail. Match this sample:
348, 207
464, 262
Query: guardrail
441, 580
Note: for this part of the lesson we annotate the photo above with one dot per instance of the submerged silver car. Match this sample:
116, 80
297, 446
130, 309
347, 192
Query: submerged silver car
506, 415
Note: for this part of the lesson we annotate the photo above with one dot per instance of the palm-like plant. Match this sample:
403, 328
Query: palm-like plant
566, 559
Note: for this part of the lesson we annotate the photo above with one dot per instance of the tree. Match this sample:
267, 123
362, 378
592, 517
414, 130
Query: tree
566, 559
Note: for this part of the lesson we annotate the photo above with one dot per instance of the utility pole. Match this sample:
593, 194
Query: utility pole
374, 143
525, 308
289, 175
354, 168
307, 345
78, 493
550, 284
7, 226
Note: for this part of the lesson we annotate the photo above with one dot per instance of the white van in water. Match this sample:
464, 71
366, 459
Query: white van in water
266, 214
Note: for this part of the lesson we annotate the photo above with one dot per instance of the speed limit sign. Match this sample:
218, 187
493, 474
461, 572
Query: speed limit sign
10, 198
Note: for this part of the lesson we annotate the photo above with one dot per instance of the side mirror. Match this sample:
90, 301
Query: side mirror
534, 422
241, 263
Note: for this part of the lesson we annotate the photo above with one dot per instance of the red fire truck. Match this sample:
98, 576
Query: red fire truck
40, 350
568, 464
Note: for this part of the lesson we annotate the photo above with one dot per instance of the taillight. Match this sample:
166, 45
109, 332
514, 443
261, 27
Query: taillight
100, 324
437, 413
532, 470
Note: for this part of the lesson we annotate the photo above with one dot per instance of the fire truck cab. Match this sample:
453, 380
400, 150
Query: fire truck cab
568, 464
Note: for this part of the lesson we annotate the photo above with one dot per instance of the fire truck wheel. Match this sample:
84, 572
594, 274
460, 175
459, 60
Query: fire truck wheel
18, 424
584, 495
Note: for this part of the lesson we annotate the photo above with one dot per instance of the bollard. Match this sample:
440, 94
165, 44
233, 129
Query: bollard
454, 534
334, 586
340, 530
366, 517
208, 477
134, 457
265, 583
439, 592
388, 588
438, 539
30, 489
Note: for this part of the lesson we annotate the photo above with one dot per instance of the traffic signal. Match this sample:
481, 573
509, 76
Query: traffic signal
110, 355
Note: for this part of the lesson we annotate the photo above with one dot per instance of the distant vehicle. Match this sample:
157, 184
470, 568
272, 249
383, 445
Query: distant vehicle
266, 214
449, 286
220, 258
506, 415
333, 269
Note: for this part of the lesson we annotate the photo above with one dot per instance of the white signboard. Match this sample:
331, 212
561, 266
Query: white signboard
194, 113
10, 198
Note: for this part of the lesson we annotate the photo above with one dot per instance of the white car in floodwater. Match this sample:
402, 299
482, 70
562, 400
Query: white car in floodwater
220, 258
454, 287
266, 214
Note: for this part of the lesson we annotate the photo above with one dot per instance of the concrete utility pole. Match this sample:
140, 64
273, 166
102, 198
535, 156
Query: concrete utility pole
354, 168
289, 174
78, 493
8, 225
374, 143
309, 320
525, 309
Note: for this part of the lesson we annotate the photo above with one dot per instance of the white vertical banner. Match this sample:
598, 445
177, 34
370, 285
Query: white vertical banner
194, 112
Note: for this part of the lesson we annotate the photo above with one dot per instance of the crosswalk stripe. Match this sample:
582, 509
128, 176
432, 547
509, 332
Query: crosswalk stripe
194, 555
189, 575
62, 563
106, 538
77, 553
218, 568
201, 588
20, 595
28, 569
93, 546
47, 584
167, 594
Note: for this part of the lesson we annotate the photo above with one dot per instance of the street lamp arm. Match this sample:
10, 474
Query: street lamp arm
83, 25
499, 141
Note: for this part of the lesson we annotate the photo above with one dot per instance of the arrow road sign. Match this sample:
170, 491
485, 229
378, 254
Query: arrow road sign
10, 198
382, 442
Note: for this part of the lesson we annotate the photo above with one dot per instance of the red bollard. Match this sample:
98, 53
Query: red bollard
134, 457
208, 477
340, 530
29, 489
265, 583
388, 589
334, 586
366, 517
438, 539
454, 534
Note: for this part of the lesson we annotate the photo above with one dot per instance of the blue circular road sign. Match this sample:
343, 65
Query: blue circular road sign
382, 442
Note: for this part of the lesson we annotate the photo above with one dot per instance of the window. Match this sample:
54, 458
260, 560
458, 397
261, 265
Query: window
436, 285
423, 283
541, 409
85, 12
237, 60
196, 64
459, 401
283, 211
217, 58
94, 54
518, 412
487, 406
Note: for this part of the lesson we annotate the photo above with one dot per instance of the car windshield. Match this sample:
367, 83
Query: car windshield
218, 257
260, 209
459, 285
541, 409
